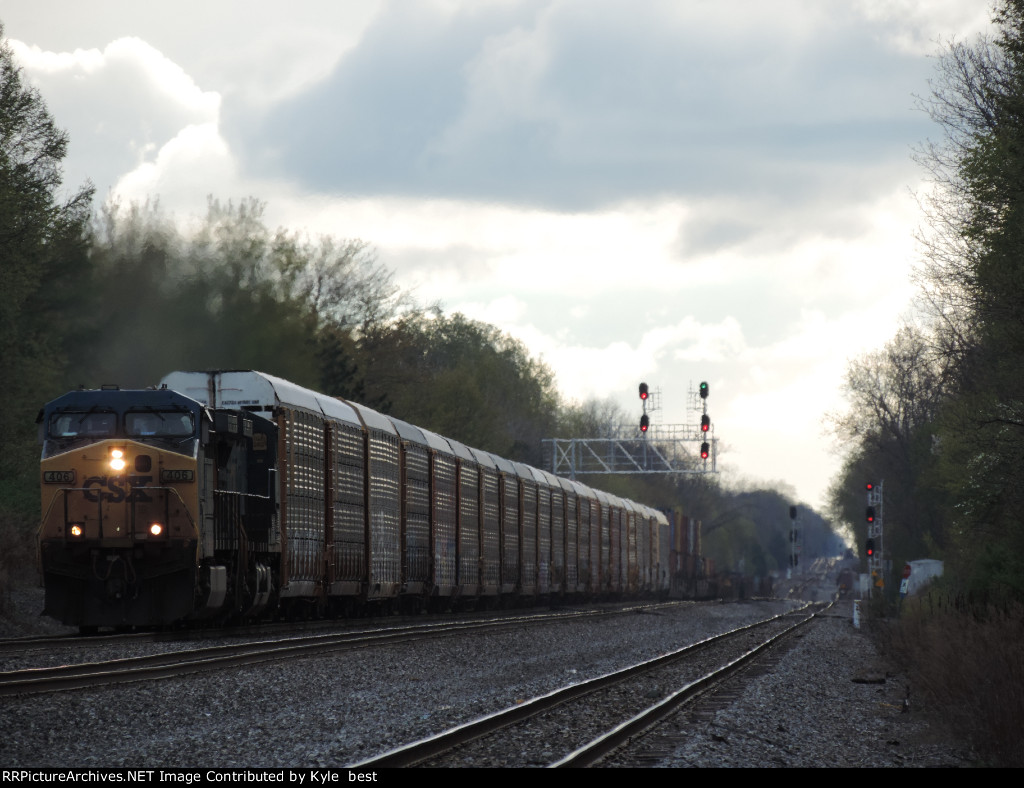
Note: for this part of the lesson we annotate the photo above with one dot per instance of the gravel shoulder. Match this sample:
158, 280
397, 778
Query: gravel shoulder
830, 701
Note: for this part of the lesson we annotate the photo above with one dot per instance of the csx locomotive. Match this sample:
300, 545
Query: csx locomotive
228, 495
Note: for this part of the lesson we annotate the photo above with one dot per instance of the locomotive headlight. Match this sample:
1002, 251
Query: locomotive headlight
117, 460
155, 529
76, 530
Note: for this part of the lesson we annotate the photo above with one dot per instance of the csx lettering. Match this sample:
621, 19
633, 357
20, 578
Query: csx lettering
115, 488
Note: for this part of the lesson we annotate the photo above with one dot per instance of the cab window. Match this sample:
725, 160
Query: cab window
85, 425
159, 424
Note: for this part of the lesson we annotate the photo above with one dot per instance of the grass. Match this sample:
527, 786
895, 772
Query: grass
969, 660
17, 557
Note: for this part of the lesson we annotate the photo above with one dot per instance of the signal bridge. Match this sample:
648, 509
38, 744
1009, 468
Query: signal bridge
662, 449
654, 448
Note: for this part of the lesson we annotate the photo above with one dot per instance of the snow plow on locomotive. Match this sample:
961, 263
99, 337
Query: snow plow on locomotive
232, 494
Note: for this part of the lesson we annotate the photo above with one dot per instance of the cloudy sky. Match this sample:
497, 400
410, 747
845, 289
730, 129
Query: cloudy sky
659, 190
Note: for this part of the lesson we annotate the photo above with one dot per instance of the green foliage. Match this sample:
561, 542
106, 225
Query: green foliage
42, 265
721, 545
591, 419
939, 414
896, 396
964, 659
759, 520
232, 294
984, 420
457, 377
218, 298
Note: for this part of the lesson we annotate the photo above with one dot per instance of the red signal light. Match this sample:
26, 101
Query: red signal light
705, 423
705, 450
643, 391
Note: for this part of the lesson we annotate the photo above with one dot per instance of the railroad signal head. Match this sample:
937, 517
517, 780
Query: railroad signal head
703, 389
705, 450
870, 547
870, 514
869, 487
705, 423
644, 391
645, 423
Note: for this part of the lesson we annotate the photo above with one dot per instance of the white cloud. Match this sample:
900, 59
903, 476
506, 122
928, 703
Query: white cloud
194, 164
126, 62
915, 26
120, 105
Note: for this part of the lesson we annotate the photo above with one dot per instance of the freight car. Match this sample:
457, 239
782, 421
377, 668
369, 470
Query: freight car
229, 495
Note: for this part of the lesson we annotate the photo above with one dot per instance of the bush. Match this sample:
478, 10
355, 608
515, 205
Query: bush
969, 660
17, 556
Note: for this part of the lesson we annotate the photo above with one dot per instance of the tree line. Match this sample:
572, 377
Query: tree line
938, 413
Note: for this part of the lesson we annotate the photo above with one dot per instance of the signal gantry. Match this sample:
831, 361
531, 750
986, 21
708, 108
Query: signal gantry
653, 449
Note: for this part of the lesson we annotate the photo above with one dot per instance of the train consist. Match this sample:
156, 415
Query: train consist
232, 494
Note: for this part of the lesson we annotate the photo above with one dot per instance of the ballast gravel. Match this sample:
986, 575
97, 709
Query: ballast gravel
829, 700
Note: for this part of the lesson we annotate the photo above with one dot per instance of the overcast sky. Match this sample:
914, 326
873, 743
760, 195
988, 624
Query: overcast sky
665, 191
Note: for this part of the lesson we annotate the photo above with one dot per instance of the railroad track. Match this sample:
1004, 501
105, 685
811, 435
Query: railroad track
168, 664
27, 645
570, 726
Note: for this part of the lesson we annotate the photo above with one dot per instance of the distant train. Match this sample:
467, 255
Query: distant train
229, 495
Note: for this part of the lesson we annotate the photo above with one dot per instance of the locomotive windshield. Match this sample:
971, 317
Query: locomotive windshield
159, 423
93, 424
160, 418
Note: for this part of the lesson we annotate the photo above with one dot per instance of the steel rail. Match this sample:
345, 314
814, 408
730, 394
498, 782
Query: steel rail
598, 749
175, 663
424, 750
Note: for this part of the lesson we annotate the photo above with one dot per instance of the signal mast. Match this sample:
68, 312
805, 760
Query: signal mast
873, 545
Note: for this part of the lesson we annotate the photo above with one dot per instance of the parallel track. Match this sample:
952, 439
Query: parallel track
178, 663
475, 743
620, 737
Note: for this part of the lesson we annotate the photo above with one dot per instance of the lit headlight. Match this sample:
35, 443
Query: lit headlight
117, 461
76, 530
155, 529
